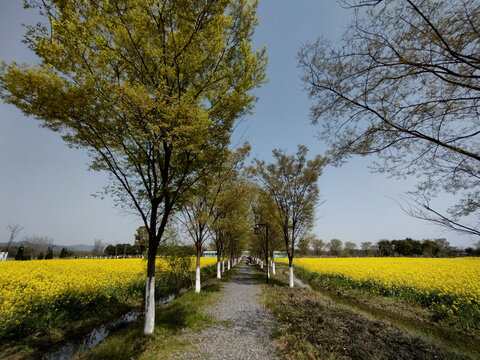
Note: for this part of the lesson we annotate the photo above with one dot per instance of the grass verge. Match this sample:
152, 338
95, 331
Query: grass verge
314, 326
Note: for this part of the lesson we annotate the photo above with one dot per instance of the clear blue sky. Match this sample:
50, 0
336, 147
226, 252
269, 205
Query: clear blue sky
46, 187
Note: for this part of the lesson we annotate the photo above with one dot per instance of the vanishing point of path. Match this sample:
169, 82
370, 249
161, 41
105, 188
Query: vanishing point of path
245, 328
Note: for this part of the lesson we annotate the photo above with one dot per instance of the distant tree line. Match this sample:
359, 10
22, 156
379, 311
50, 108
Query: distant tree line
410, 247
42, 248
31, 253
123, 250
312, 246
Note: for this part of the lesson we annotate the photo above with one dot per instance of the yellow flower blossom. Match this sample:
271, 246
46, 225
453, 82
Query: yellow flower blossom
459, 277
27, 286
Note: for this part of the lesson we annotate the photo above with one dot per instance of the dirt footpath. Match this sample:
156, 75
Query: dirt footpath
245, 328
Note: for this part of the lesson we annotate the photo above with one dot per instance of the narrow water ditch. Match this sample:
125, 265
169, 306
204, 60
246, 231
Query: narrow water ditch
448, 338
301, 283
67, 350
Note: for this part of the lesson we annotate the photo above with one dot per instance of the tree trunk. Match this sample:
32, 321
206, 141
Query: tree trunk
219, 268
228, 264
290, 265
150, 291
272, 261
268, 268
197, 273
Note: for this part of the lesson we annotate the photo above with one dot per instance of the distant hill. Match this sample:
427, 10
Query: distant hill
77, 247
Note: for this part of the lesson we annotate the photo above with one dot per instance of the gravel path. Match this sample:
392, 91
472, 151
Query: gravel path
245, 332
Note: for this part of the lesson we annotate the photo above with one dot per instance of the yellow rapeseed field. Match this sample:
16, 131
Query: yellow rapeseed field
459, 277
27, 286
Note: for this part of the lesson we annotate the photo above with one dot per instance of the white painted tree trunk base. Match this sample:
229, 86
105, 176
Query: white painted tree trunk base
197, 280
219, 272
223, 266
228, 265
291, 277
149, 306
273, 267
261, 264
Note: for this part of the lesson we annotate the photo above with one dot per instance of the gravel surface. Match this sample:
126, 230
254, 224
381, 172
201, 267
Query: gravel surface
246, 328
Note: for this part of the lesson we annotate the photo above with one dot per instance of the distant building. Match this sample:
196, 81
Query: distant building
245, 254
209, 253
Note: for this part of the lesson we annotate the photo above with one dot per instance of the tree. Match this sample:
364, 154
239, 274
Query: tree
417, 248
335, 247
14, 231
403, 84
49, 254
444, 246
230, 212
98, 247
469, 251
385, 247
179, 260
430, 248
200, 212
141, 240
477, 248
350, 248
303, 246
151, 89
262, 210
402, 247
407, 247
265, 212
21, 254
237, 227
366, 246
291, 180
110, 250
65, 253
37, 244
318, 246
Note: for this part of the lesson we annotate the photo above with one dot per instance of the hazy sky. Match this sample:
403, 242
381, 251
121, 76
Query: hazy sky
46, 187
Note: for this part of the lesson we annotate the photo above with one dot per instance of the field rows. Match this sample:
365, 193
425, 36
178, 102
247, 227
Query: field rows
458, 278
29, 287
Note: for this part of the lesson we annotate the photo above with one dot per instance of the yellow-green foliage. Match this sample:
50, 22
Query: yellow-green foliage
121, 76
459, 278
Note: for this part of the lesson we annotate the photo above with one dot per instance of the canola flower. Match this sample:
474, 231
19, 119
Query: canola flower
27, 287
458, 278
